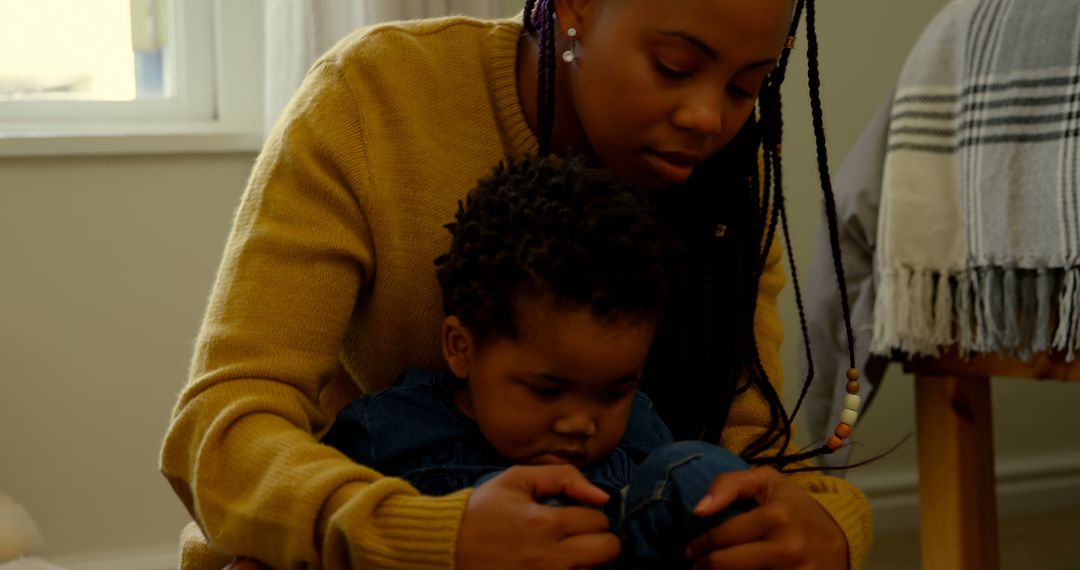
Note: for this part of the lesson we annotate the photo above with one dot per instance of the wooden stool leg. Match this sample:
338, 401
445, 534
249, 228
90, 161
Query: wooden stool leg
958, 507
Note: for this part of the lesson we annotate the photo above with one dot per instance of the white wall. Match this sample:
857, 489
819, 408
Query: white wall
105, 264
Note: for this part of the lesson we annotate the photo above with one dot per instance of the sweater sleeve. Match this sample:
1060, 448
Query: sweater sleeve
241, 451
749, 418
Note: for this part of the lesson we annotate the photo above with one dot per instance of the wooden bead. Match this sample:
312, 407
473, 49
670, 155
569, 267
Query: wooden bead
853, 374
852, 387
849, 416
834, 443
843, 431
852, 402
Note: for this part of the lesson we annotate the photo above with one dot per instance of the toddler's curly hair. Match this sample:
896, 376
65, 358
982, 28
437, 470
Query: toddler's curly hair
553, 229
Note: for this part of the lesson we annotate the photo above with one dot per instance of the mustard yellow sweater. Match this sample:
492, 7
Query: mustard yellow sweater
327, 289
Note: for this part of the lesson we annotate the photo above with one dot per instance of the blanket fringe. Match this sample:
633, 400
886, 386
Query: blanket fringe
1026, 314
1044, 286
1004, 310
942, 329
965, 322
1065, 337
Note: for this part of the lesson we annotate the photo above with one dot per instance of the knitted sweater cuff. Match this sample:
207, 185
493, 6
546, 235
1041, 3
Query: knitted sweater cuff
852, 514
403, 531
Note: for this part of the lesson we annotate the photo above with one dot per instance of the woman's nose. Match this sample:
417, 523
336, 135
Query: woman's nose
578, 424
702, 115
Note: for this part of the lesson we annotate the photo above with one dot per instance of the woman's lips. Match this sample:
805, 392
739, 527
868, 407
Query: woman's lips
673, 167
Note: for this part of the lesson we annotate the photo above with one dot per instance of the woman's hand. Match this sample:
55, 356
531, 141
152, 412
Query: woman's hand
788, 529
505, 527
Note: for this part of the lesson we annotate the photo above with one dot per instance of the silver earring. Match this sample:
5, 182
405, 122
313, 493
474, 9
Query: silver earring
568, 55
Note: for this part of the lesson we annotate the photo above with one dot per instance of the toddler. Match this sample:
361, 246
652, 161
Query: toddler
553, 288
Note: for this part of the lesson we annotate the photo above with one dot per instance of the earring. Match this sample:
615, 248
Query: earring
568, 55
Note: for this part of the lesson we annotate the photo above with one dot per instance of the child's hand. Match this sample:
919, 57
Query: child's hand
788, 529
505, 527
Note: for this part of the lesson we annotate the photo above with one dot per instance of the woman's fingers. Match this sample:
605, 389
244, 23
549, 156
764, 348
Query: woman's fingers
756, 539
788, 529
728, 487
555, 480
590, 550
747, 527
579, 520
504, 526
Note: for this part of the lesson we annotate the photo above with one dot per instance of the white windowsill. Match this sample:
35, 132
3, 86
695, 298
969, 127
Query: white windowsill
193, 139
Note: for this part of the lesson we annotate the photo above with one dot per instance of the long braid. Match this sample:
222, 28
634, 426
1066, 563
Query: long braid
747, 252
543, 23
814, 85
772, 112
527, 18
743, 257
823, 171
745, 341
802, 325
772, 102
772, 211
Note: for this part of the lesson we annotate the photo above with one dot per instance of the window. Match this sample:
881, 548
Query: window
98, 75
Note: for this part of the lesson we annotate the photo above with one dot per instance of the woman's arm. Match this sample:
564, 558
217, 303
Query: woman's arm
240, 452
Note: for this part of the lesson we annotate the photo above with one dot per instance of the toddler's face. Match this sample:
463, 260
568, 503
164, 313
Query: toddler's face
561, 392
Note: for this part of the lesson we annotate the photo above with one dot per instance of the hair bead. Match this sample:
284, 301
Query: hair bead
852, 403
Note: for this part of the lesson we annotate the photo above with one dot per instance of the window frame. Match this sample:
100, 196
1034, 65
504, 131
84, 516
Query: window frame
218, 107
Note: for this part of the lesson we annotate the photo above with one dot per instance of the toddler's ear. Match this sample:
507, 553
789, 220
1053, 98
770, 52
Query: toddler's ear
457, 347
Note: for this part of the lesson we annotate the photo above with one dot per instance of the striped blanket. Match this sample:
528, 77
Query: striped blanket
979, 226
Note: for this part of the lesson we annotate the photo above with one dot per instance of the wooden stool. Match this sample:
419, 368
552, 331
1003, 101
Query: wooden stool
957, 502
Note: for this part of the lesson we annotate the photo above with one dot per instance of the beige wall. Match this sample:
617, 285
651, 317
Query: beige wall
105, 264
510, 6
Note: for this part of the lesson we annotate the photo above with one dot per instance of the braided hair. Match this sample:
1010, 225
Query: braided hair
706, 352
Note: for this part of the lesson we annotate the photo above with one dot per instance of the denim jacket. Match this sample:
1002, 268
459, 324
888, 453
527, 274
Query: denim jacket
414, 431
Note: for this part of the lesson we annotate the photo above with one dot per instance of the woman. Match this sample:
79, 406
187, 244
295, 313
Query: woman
326, 288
